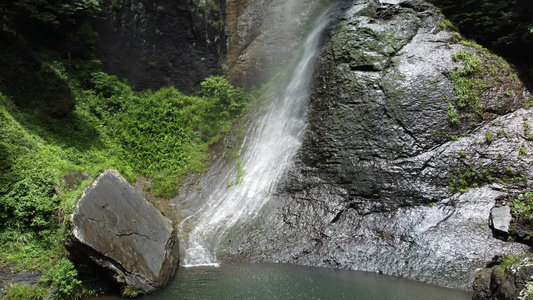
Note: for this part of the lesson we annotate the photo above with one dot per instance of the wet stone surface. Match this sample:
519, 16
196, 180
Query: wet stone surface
370, 189
117, 229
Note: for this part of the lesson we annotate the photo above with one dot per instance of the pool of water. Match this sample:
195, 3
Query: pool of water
281, 281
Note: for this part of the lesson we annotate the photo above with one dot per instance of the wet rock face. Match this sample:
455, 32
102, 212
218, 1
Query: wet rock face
371, 188
120, 231
263, 35
157, 44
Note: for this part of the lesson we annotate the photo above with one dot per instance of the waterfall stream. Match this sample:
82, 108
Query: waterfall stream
268, 150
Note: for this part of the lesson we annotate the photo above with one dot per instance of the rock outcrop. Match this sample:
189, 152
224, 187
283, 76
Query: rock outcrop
397, 174
118, 230
505, 278
262, 36
159, 43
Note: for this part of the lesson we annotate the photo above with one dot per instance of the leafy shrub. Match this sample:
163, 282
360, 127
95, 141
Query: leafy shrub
29, 204
165, 133
224, 97
523, 205
129, 291
64, 277
452, 116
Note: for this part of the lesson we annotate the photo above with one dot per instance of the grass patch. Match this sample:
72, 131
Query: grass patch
130, 291
24, 292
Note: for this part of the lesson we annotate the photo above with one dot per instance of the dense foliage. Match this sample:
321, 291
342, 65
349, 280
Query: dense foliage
165, 134
158, 134
67, 116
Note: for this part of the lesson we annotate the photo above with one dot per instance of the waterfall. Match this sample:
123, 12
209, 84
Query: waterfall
269, 149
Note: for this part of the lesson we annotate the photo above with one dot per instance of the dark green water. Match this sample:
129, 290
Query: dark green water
279, 281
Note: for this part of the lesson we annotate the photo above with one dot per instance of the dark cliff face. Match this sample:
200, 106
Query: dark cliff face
159, 43
389, 179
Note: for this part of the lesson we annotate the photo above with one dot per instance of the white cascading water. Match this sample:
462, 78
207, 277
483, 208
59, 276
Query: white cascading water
270, 148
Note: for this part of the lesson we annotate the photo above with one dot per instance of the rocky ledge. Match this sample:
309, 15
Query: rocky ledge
117, 229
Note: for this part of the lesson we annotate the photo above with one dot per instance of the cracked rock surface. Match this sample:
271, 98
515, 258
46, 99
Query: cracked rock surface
370, 189
119, 230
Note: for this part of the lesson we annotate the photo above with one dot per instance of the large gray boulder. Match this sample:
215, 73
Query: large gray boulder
119, 230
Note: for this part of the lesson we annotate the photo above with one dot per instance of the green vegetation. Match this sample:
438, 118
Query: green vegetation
445, 23
472, 175
526, 130
467, 88
161, 135
504, 26
529, 101
468, 177
480, 71
68, 116
211, 12
64, 277
129, 291
523, 205
507, 261
240, 173
165, 134
24, 292
452, 116
461, 155
488, 137
502, 133
522, 151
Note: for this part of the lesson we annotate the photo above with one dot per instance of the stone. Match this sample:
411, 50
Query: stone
116, 228
482, 285
500, 218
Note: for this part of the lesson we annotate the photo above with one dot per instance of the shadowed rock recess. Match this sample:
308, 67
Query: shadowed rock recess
387, 179
117, 229
159, 43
